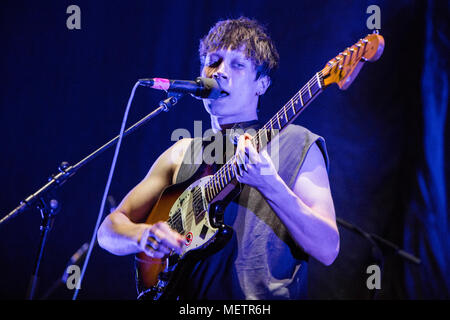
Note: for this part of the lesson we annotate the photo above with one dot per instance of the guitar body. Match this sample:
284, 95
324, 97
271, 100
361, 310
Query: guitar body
184, 208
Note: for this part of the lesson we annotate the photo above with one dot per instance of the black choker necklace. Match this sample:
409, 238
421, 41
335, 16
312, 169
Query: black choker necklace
233, 130
240, 125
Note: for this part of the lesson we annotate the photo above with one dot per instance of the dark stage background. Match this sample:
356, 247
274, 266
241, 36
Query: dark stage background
63, 93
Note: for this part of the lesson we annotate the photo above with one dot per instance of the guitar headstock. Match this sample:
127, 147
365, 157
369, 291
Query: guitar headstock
344, 68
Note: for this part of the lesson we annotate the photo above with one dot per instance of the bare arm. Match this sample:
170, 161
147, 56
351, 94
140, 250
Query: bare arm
307, 210
124, 231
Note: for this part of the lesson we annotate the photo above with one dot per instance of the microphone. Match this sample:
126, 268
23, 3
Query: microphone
204, 88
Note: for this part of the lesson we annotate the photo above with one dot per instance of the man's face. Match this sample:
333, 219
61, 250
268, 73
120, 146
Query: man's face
236, 75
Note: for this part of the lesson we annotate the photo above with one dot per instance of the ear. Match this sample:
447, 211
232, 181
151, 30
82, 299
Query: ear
263, 84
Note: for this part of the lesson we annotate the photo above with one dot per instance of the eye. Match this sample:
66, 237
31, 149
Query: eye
213, 61
239, 65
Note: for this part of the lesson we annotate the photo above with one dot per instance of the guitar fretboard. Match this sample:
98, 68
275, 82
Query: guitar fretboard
286, 115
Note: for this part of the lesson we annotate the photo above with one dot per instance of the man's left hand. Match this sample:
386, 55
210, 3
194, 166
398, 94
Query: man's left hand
252, 168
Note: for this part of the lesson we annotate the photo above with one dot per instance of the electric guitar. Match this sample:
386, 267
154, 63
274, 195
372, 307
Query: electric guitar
195, 207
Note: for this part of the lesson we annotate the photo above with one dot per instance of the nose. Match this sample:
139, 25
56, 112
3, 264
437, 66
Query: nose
218, 75
220, 72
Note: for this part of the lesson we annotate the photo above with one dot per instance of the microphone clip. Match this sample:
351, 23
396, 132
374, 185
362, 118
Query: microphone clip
171, 100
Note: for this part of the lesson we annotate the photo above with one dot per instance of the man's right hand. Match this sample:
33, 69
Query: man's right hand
159, 240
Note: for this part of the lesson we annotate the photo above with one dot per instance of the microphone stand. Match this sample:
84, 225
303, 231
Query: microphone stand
49, 205
378, 244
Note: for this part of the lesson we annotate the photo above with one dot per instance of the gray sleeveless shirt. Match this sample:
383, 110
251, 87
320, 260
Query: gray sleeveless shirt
261, 261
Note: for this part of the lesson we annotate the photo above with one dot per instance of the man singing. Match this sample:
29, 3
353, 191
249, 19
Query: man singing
279, 219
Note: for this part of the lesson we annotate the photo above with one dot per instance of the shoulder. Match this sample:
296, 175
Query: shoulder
168, 163
176, 154
297, 131
310, 142
181, 145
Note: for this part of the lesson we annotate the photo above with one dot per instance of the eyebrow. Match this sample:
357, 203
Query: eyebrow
234, 56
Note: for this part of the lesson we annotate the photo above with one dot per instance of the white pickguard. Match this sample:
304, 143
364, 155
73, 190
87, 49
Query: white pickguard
195, 223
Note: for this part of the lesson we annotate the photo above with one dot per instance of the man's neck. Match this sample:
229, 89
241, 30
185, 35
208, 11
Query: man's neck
218, 124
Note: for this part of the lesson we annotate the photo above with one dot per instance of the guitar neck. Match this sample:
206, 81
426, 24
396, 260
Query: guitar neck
286, 115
